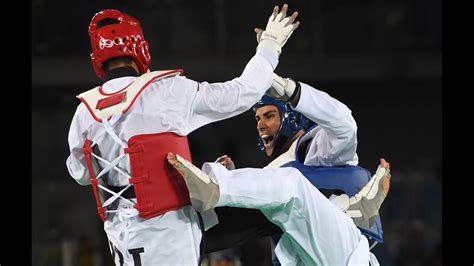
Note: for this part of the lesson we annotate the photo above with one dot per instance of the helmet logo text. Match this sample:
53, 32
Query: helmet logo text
105, 43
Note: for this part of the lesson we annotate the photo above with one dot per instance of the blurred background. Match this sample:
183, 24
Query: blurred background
381, 58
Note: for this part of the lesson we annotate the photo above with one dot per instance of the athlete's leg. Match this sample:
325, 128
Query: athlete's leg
320, 233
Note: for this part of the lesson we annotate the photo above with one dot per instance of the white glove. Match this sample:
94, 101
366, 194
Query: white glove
279, 29
282, 88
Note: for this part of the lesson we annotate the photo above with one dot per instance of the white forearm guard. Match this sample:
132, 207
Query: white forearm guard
282, 88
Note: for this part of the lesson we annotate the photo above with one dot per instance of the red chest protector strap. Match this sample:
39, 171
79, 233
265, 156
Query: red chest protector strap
158, 186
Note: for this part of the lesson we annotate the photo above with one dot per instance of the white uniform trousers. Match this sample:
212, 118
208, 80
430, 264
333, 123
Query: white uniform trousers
316, 232
172, 238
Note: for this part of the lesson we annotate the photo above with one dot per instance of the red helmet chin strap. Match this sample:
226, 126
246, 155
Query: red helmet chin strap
124, 38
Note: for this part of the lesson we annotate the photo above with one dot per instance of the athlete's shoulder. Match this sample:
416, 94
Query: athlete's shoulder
181, 81
162, 74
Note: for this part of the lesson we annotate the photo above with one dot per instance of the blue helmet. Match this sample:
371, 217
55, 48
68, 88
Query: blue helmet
291, 122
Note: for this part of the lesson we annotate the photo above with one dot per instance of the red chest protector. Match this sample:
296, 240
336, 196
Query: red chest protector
157, 185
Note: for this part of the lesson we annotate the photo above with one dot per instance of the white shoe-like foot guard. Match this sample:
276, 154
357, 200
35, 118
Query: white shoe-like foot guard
203, 189
364, 206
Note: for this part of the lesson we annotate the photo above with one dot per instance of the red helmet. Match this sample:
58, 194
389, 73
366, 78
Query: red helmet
124, 38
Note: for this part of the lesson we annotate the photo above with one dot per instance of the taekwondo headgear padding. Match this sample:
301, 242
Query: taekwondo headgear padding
291, 122
123, 38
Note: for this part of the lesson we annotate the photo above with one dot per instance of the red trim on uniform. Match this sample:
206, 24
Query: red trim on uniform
90, 109
94, 182
101, 91
134, 98
102, 213
87, 147
146, 85
112, 100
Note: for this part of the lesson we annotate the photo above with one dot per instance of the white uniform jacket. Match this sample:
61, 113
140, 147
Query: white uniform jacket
174, 104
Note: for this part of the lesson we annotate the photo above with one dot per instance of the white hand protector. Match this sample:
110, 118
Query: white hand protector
282, 88
279, 29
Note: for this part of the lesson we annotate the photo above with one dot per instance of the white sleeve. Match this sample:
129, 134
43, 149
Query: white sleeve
76, 163
336, 143
218, 101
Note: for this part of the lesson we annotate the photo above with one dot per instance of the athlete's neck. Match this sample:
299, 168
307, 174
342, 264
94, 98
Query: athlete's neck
126, 71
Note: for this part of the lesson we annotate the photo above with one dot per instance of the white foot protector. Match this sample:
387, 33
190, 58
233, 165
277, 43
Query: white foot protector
364, 206
203, 189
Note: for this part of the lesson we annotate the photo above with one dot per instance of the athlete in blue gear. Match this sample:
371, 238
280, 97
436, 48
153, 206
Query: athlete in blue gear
315, 230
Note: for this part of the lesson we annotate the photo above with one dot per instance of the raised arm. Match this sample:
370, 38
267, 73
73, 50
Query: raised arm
217, 101
335, 142
317, 105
